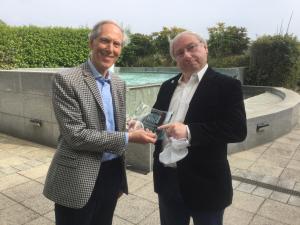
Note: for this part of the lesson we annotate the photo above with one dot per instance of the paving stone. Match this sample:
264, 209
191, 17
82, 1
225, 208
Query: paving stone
270, 180
265, 169
12, 161
16, 215
291, 174
11, 181
8, 170
249, 155
297, 155
297, 186
24, 191
235, 184
34, 163
259, 149
294, 164
135, 183
39, 204
50, 215
280, 151
280, 212
5, 202
35, 172
22, 167
41, 179
247, 202
234, 216
273, 160
134, 209
239, 162
286, 148
248, 188
147, 176
294, 200
286, 183
120, 221
279, 196
259, 220
40, 221
262, 192
147, 192
152, 219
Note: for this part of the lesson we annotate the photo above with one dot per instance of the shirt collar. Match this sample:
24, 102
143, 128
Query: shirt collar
198, 75
95, 72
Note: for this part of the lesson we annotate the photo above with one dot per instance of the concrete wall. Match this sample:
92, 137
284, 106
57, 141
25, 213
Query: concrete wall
26, 112
25, 97
26, 109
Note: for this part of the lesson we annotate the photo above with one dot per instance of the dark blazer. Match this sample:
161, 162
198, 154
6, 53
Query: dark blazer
83, 137
216, 116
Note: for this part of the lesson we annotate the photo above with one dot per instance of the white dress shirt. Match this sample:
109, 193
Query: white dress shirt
181, 98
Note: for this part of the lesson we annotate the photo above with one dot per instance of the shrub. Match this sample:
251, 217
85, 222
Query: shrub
273, 61
31, 46
229, 61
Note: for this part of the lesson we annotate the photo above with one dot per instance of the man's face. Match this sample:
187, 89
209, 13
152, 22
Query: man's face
190, 54
106, 48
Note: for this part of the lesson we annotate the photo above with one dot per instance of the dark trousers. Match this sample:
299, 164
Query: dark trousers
100, 207
173, 210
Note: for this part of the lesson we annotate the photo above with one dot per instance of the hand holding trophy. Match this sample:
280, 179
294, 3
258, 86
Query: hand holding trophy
149, 119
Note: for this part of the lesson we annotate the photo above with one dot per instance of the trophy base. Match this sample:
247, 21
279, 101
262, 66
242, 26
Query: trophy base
139, 157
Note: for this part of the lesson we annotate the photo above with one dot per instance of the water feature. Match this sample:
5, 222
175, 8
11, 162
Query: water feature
137, 79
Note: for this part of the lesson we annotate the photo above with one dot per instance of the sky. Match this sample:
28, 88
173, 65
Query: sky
259, 17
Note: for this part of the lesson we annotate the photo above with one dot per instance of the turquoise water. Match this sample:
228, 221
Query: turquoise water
134, 79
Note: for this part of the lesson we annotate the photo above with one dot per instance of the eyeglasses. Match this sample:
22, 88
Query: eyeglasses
192, 47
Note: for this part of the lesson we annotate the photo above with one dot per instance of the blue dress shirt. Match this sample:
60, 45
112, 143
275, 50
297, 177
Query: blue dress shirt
105, 92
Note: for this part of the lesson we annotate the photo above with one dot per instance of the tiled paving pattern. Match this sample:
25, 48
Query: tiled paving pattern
23, 166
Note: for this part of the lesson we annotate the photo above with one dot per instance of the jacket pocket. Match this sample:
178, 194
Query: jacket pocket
66, 160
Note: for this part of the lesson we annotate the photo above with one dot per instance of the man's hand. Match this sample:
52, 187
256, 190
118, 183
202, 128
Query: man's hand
141, 136
176, 130
134, 125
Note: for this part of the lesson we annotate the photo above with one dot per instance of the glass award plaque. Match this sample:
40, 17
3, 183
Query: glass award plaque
152, 118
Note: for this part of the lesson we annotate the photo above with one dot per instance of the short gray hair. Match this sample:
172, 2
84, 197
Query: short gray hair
171, 42
97, 30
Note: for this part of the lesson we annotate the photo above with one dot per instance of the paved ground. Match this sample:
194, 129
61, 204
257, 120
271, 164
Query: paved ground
266, 186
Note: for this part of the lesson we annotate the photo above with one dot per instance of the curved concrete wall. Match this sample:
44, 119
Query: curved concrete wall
26, 112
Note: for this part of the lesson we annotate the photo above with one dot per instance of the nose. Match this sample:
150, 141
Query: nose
186, 53
110, 47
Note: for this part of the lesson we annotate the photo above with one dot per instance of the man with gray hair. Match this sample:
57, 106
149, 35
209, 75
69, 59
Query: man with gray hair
208, 113
87, 173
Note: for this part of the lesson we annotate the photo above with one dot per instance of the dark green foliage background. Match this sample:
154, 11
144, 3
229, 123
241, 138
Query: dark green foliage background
274, 61
31, 46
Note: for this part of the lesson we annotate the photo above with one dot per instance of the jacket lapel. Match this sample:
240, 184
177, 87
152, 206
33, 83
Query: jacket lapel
91, 83
168, 92
114, 93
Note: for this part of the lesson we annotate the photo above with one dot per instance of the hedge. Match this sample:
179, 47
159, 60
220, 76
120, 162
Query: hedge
31, 46
274, 61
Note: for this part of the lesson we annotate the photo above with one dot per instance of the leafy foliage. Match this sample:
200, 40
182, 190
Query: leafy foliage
227, 41
140, 46
31, 46
274, 61
161, 42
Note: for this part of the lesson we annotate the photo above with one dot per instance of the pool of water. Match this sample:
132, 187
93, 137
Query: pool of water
133, 79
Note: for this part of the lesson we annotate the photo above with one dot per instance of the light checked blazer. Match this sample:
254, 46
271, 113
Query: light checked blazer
83, 137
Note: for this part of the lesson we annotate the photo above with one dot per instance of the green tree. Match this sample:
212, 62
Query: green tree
140, 46
161, 42
274, 61
227, 40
